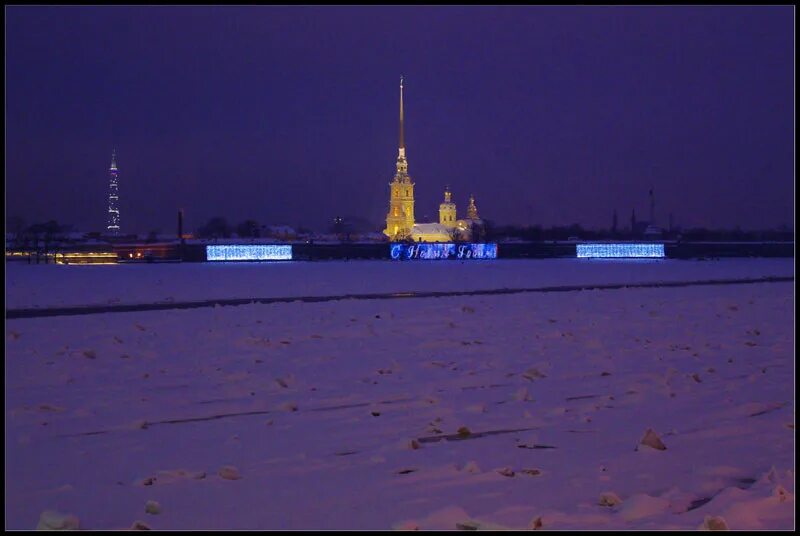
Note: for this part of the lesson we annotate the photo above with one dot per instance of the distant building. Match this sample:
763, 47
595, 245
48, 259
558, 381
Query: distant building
645, 228
431, 232
400, 224
653, 231
283, 232
113, 197
648, 229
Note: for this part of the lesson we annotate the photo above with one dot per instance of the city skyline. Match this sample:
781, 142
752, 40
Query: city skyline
551, 116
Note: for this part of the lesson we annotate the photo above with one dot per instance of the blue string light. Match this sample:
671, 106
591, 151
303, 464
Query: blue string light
248, 253
429, 251
585, 251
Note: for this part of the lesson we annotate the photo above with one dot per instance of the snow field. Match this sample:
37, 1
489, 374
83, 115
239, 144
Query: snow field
59, 285
328, 415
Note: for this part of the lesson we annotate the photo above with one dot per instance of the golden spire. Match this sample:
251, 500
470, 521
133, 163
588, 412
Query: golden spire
402, 164
402, 143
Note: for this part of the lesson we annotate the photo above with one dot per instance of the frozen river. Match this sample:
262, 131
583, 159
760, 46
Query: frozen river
60, 285
510, 411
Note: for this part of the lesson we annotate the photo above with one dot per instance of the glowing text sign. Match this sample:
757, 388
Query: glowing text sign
443, 251
235, 252
652, 251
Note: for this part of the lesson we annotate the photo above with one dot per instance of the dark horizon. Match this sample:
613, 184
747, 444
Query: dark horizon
551, 116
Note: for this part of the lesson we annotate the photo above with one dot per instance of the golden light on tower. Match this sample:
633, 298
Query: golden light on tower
447, 210
400, 217
400, 224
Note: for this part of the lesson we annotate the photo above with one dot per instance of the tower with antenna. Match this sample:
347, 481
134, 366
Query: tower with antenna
113, 196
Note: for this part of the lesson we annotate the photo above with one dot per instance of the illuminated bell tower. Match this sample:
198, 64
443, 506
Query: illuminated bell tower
400, 218
447, 210
113, 196
472, 210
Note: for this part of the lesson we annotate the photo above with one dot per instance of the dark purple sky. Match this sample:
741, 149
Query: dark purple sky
549, 115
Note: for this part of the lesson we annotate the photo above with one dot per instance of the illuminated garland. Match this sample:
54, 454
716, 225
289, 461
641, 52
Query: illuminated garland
443, 251
248, 253
620, 251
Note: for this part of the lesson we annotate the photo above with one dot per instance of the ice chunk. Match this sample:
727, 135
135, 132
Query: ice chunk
533, 373
652, 440
288, 406
523, 395
152, 507
609, 498
51, 520
506, 471
642, 505
471, 467
229, 472
713, 523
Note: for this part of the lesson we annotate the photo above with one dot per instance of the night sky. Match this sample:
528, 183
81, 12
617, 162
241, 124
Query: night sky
549, 115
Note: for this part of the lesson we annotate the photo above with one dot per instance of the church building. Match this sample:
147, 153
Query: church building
400, 224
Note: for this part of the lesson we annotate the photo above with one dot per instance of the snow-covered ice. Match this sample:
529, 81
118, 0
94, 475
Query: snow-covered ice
59, 285
509, 411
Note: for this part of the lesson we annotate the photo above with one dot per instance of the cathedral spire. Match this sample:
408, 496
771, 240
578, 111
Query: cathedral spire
402, 142
402, 163
400, 218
